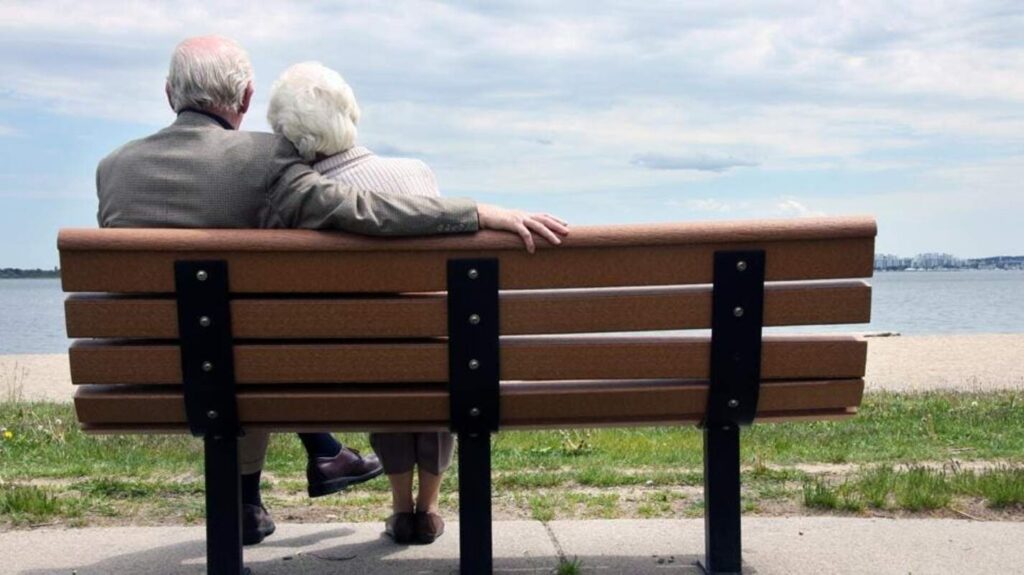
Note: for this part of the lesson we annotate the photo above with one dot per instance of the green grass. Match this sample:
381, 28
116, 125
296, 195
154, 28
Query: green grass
917, 489
890, 428
569, 566
28, 504
549, 474
1002, 488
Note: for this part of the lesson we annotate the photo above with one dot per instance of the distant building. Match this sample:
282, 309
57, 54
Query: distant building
889, 262
936, 261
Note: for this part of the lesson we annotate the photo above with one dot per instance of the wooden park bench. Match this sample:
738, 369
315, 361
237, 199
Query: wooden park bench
217, 331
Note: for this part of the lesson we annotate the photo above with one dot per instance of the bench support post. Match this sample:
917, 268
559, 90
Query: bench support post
207, 367
736, 322
473, 371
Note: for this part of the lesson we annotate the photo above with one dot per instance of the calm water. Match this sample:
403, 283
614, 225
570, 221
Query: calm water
912, 303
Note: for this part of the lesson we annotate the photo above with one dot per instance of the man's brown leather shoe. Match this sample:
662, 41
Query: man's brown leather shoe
328, 475
429, 526
256, 524
400, 527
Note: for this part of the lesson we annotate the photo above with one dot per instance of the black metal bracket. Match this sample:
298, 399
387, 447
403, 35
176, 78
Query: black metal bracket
737, 317
473, 345
207, 357
208, 372
474, 391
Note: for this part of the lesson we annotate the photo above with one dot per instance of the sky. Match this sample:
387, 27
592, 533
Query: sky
600, 112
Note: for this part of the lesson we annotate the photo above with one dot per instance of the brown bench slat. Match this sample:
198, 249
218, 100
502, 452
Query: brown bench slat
292, 426
425, 315
281, 261
522, 358
590, 402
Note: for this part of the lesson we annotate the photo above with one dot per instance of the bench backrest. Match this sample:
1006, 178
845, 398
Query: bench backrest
349, 332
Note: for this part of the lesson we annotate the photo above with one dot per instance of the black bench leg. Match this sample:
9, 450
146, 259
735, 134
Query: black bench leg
722, 499
475, 504
223, 507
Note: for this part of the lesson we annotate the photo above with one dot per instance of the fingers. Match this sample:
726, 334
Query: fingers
542, 230
524, 233
557, 219
553, 223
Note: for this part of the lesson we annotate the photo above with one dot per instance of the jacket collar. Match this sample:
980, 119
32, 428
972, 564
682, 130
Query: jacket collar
195, 116
342, 160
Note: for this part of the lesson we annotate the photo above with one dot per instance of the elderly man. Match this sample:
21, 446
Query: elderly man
201, 172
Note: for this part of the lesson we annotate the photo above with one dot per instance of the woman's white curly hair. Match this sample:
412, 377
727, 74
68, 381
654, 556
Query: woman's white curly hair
314, 108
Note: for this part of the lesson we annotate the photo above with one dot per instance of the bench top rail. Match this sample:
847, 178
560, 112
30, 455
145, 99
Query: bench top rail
289, 261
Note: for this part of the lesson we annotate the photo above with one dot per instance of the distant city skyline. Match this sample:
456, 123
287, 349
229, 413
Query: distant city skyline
601, 113
935, 260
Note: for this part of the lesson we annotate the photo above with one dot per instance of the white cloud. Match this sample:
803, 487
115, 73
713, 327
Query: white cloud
791, 207
7, 131
700, 162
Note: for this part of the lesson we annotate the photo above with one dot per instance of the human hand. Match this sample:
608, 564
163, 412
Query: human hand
523, 223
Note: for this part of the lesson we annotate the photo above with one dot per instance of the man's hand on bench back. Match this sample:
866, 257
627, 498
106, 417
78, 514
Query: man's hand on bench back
523, 223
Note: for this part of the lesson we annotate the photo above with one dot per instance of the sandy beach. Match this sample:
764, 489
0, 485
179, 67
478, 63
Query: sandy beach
906, 364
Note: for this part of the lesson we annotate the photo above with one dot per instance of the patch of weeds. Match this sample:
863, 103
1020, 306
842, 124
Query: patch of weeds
771, 491
606, 477
111, 488
819, 494
528, 480
569, 566
922, 489
28, 503
694, 509
875, 484
541, 508
576, 442
605, 505
1002, 487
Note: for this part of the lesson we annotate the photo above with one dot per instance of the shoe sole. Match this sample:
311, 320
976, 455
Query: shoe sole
401, 540
258, 537
341, 484
426, 539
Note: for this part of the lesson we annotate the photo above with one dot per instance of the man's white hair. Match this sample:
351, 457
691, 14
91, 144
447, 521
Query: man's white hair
314, 108
209, 73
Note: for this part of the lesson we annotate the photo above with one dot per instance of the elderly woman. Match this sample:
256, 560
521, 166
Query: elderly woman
316, 110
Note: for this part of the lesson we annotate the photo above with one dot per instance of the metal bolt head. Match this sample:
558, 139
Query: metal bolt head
211, 414
741, 266
204, 321
207, 366
474, 319
201, 275
474, 411
474, 364
473, 273
738, 311
734, 403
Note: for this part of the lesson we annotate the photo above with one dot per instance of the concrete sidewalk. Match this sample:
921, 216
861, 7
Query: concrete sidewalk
771, 545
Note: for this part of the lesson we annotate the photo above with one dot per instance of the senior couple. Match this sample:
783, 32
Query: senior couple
202, 172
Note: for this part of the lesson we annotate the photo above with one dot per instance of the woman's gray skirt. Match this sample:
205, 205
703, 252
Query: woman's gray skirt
399, 452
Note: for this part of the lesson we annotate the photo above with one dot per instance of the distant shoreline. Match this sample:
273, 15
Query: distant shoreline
918, 270
20, 274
